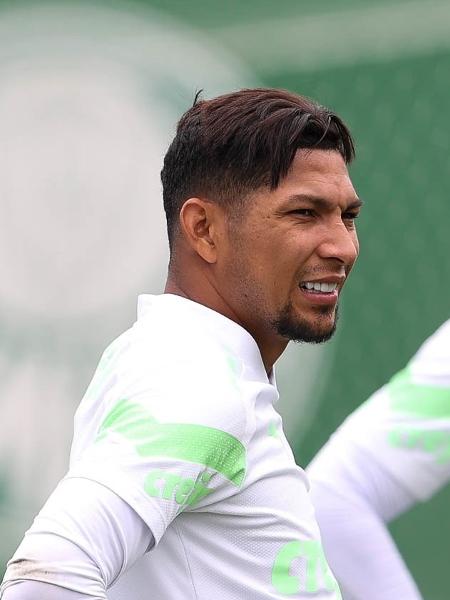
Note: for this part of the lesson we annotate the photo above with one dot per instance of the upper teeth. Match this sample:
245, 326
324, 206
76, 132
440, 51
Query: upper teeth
320, 287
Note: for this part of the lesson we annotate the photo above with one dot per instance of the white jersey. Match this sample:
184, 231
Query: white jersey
390, 453
179, 422
405, 426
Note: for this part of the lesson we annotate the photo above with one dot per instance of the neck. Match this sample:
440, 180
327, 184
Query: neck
196, 289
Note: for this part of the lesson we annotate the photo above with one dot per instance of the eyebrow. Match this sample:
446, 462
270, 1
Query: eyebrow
322, 202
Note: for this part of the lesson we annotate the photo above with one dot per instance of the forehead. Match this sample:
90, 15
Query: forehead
315, 173
320, 174
318, 171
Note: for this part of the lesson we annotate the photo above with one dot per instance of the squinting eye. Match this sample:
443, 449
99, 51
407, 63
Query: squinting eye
350, 216
304, 212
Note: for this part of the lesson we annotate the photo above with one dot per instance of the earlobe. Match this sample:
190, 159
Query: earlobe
197, 225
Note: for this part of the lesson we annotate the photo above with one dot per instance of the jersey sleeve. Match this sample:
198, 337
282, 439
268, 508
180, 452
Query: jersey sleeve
351, 508
167, 435
391, 452
84, 538
31, 590
405, 426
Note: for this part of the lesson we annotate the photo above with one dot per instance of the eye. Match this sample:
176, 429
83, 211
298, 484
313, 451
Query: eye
349, 219
303, 212
350, 215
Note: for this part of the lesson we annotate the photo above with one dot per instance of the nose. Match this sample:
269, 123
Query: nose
340, 243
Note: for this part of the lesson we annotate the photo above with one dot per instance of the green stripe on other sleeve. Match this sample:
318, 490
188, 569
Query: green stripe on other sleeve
199, 444
426, 401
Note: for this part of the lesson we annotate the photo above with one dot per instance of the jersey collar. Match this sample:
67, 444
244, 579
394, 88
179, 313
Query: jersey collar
228, 333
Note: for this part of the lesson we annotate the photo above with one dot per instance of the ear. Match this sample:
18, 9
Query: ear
200, 223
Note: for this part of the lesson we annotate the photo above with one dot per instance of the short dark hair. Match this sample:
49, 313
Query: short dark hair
231, 145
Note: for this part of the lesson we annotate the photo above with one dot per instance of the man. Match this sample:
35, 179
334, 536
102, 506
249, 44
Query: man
391, 453
181, 482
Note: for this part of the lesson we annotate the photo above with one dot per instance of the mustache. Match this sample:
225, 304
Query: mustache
339, 270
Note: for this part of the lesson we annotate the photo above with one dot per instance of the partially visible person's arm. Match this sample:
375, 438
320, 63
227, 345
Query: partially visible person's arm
80, 543
352, 507
389, 454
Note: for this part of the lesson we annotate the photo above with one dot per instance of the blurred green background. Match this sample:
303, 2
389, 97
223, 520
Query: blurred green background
384, 67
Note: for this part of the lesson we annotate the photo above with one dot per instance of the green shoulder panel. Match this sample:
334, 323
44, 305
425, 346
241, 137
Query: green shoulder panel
199, 444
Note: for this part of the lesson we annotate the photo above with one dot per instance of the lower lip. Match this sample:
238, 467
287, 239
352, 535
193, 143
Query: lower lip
322, 298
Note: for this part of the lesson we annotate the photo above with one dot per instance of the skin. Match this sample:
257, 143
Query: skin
251, 269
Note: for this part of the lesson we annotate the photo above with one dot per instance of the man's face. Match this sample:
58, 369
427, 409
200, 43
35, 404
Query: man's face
284, 264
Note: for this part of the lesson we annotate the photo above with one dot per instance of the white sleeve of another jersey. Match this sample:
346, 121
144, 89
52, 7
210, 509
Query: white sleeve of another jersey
405, 426
352, 503
416, 445
390, 453
83, 539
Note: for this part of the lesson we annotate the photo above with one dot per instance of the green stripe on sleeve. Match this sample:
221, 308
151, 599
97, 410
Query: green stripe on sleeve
426, 401
199, 444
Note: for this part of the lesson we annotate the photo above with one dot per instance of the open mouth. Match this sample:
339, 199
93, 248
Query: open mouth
321, 287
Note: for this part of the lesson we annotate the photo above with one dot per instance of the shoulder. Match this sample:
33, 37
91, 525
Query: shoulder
182, 379
169, 398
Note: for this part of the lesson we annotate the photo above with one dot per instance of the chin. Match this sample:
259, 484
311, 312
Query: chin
312, 335
314, 331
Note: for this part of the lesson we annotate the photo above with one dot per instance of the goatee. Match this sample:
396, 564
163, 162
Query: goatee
298, 330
